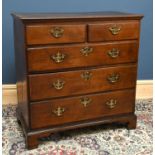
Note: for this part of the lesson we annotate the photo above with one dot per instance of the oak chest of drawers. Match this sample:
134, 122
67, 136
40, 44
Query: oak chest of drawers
75, 70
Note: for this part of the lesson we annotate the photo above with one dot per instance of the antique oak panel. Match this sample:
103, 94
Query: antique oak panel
60, 57
21, 70
117, 30
82, 81
46, 34
80, 108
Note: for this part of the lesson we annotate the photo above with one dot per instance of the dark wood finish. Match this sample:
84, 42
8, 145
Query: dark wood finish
101, 32
40, 59
132, 123
36, 71
76, 85
108, 15
41, 34
21, 69
32, 136
42, 114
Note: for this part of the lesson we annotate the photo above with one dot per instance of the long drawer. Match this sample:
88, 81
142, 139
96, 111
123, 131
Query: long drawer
72, 56
61, 111
46, 86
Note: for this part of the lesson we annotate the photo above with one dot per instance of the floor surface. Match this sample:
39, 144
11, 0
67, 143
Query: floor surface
98, 140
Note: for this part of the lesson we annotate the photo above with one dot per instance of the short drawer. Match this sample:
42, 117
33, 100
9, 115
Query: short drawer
61, 111
46, 86
63, 57
118, 30
51, 34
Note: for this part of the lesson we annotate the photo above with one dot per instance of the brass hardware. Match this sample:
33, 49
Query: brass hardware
86, 75
58, 57
85, 101
59, 111
115, 29
86, 51
57, 32
113, 78
111, 103
58, 84
114, 53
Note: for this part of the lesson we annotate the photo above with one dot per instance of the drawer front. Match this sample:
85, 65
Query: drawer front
61, 111
114, 31
50, 34
62, 57
45, 86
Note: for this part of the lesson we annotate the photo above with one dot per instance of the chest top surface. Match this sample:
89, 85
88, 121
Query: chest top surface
74, 16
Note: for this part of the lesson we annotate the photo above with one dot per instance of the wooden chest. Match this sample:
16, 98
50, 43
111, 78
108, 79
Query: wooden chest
75, 70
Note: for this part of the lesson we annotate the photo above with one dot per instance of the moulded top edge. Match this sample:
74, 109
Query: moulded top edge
106, 15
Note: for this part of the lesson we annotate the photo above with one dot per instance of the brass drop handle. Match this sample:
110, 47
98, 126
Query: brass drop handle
111, 103
114, 53
113, 78
86, 75
57, 32
59, 111
85, 101
58, 84
115, 29
86, 51
58, 57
